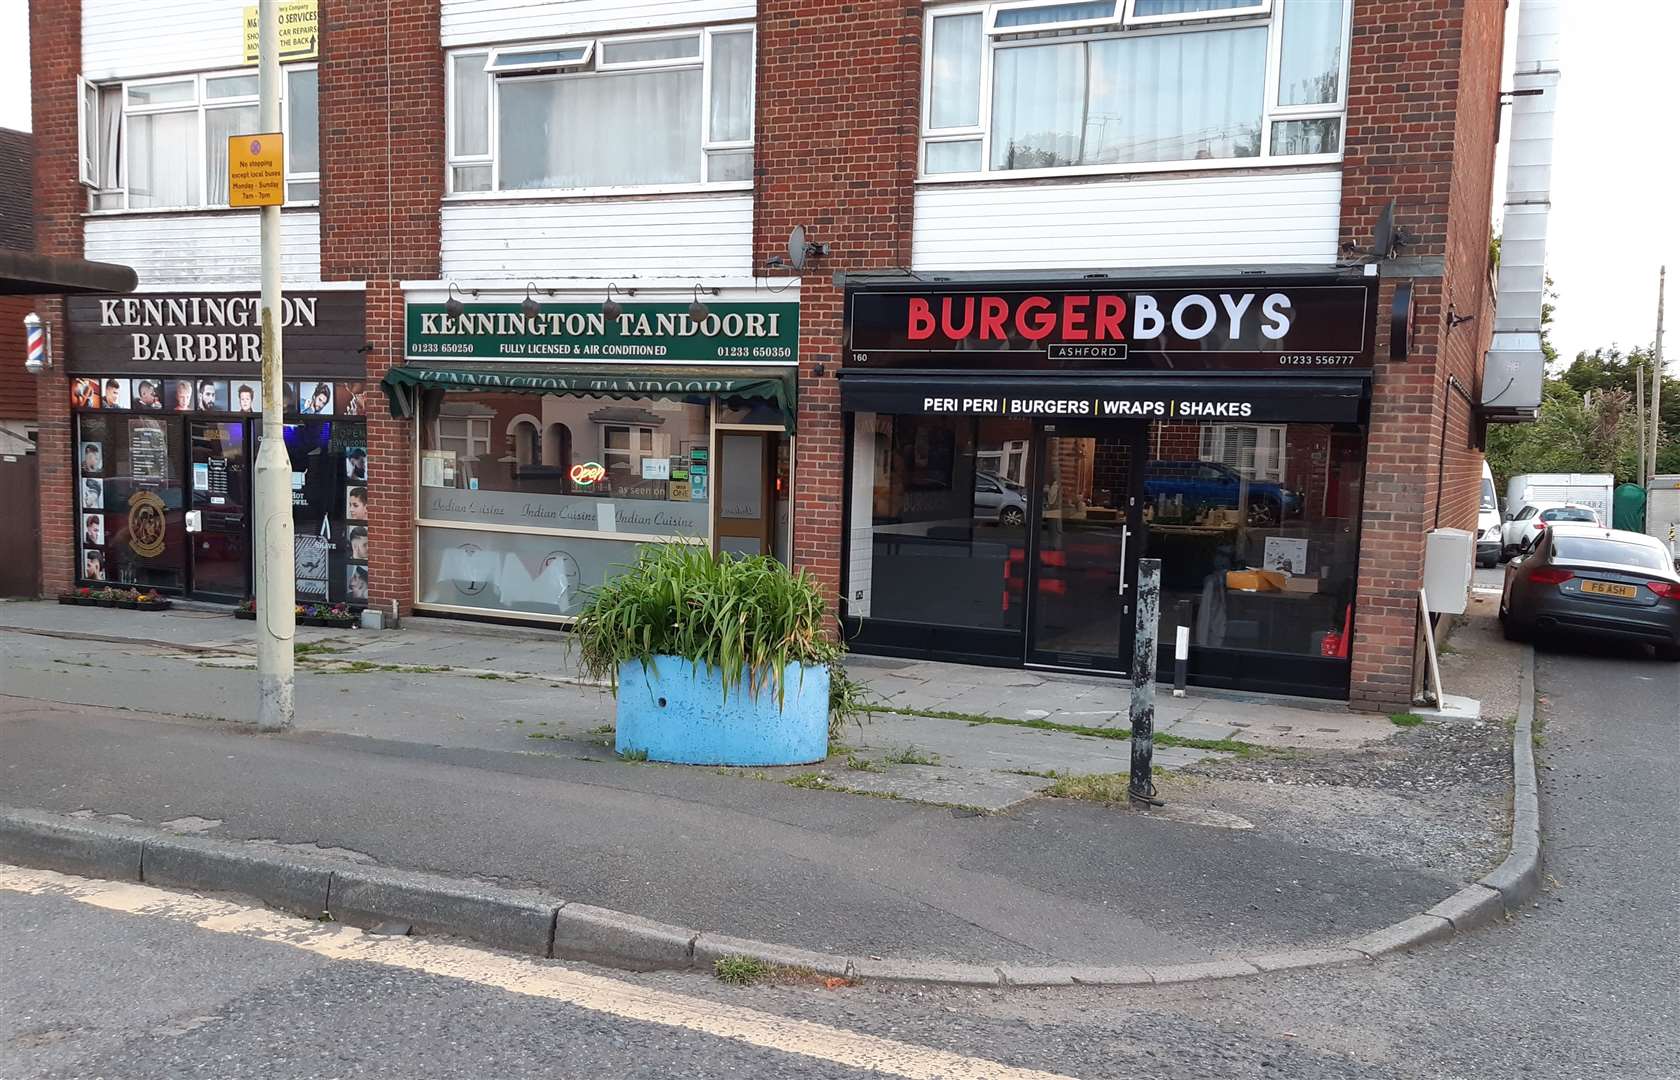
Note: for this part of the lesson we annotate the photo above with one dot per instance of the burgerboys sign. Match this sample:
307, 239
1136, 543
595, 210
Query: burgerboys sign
730, 333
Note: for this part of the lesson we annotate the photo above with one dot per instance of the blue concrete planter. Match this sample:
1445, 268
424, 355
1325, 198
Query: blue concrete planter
677, 711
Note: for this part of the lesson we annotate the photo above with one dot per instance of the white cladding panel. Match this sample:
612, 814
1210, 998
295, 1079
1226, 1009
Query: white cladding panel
1270, 217
134, 38
219, 248
672, 236
470, 22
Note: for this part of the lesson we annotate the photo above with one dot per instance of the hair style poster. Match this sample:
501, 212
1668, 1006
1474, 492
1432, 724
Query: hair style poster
355, 504
246, 395
212, 395
93, 459
182, 395
148, 394
355, 464
318, 399
93, 564
358, 538
114, 393
351, 398
93, 493
93, 529
85, 394
356, 584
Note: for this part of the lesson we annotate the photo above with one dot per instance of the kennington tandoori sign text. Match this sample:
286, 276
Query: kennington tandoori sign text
730, 333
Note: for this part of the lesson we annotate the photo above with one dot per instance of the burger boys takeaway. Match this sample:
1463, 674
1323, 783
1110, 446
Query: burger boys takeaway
166, 394
1015, 447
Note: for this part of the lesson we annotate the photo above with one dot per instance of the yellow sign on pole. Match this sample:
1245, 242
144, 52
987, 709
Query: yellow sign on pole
256, 170
299, 31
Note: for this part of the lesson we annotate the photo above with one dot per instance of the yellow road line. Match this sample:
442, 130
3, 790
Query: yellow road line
532, 978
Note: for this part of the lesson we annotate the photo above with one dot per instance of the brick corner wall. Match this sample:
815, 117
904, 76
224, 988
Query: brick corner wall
1422, 95
382, 184
55, 58
839, 89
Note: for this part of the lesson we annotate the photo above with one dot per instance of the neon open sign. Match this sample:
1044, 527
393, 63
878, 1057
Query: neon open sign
586, 473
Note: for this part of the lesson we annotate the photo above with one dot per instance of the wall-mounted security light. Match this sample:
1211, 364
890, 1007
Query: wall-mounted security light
453, 305
611, 308
39, 355
698, 311
530, 305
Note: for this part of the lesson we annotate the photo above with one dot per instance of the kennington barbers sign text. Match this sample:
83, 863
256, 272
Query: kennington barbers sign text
199, 329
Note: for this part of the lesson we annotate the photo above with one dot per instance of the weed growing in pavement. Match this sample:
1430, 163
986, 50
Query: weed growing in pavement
810, 780
74, 663
495, 676
635, 753
1043, 774
602, 729
317, 648
740, 970
910, 756
1090, 787
1227, 746
861, 764
1405, 719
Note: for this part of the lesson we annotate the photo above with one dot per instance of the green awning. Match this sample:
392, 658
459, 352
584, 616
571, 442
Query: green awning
402, 383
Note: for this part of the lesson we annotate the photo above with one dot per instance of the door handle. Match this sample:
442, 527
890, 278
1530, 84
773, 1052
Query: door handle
1125, 534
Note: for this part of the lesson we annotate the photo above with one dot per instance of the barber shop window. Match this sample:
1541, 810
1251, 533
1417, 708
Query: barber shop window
672, 109
162, 144
1256, 527
1046, 86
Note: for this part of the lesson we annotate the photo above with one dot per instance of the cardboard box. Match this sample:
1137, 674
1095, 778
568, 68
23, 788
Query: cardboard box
1300, 583
1254, 580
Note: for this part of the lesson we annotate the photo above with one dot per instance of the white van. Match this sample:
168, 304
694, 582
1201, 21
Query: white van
1488, 522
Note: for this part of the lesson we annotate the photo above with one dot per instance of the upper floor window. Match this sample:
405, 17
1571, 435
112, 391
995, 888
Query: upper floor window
1122, 85
671, 109
161, 144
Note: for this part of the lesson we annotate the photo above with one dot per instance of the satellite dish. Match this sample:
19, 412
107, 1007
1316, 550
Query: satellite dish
1383, 240
796, 249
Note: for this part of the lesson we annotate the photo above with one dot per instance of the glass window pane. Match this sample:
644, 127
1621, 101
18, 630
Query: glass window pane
162, 93
953, 157
954, 83
218, 125
1038, 105
163, 160
1291, 137
732, 89
1175, 97
109, 154
1057, 13
1310, 61
728, 165
1146, 8
472, 105
634, 128
472, 178
303, 191
628, 52
1298, 521
226, 86
303, 144
942, 547
569, 54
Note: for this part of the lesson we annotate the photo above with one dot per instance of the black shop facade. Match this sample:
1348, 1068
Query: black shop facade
166, 404
1016, 446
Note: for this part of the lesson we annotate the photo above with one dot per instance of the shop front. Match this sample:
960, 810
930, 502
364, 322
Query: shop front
1016, 447
556, 437
166, 400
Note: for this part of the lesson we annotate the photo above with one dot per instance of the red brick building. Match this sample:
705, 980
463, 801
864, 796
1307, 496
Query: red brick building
962, 307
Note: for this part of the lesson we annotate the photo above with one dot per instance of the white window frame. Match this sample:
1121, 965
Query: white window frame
1124, 24
1219, 453
594, 65
200, 104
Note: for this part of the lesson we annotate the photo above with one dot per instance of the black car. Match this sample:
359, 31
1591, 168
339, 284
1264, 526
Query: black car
1605, 582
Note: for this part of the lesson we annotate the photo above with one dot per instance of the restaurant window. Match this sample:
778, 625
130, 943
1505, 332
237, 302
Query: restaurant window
1260, 557
1117, 85
653, 110
162, 144
937, 538
1255, 451
574, 485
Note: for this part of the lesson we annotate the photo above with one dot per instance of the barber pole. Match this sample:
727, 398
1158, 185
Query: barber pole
36, 333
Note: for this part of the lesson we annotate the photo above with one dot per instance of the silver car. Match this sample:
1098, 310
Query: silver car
999, 500
1603, 582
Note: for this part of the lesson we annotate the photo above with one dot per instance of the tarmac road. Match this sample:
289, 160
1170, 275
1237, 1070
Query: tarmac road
1582, 986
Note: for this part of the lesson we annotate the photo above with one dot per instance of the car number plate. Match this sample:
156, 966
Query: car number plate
1610, 588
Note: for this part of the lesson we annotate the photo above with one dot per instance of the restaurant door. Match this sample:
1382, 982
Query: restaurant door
1086, 536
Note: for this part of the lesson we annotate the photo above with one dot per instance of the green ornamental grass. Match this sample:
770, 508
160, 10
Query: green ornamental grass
748, 617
